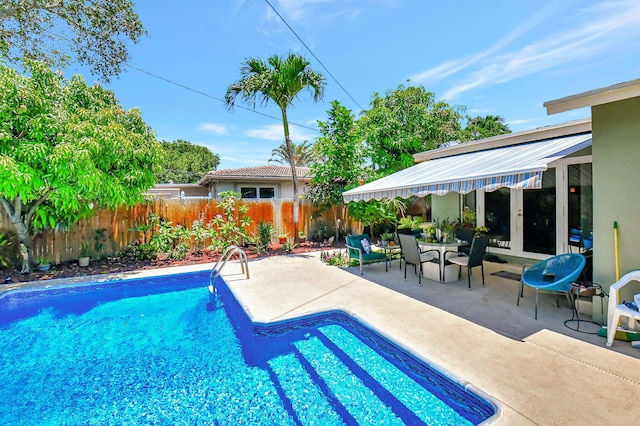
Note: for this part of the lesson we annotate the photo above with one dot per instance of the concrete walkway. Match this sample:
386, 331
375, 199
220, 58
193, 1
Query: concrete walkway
545, 378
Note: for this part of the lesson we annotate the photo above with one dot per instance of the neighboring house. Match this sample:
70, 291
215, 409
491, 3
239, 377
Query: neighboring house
262, 182
179, 191
531, 188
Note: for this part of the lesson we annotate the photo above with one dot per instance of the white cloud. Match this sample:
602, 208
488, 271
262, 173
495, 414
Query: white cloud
607, 25
218, 129
274, 132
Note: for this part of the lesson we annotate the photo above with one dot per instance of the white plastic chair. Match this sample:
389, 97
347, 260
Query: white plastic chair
616, 309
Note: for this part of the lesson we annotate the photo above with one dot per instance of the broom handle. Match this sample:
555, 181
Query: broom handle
615, 246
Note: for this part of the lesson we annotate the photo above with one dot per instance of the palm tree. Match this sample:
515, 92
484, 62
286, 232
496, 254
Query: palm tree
279, 80
303, 154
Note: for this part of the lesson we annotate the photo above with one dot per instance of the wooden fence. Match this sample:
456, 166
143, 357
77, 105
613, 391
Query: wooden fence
119, 225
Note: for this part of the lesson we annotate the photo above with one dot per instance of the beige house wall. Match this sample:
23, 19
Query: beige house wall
616, 187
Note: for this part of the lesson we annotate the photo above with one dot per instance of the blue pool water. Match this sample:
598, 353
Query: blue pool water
147, 351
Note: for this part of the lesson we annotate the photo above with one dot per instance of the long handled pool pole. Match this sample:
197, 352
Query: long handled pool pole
615, 246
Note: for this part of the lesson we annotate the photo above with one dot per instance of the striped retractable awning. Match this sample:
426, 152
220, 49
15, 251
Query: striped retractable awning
518, 166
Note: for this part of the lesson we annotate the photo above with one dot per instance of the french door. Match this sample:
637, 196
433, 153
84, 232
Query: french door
538, 223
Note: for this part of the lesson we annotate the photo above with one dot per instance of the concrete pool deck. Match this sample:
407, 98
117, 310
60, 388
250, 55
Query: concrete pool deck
547, 378
536, 371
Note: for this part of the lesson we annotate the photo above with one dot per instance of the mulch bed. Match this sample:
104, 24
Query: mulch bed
121, 264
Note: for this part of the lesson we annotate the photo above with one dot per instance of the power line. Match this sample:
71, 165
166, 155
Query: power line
190, 88
313, 54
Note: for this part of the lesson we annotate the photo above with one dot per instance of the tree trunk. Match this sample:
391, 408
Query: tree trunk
294, 176
21, 227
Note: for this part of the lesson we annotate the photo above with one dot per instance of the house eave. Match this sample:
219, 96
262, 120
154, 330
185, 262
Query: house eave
541, 133
604, 95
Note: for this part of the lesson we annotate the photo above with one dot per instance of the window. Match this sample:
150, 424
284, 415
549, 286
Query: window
258, 192
249, 192
267, 193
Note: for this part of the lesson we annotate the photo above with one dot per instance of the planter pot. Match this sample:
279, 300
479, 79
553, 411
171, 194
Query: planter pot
282, 240
44, 267
83, 261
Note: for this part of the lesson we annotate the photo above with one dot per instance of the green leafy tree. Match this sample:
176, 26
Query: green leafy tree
373, 212
279, 80
65, 146
96, 32
303, 154
484, 127
185, 162
404, 122
341, 160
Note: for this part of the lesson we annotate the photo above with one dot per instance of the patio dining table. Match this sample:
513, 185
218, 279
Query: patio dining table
449, 272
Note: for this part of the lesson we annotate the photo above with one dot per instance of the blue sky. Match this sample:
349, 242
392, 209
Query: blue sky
494, 57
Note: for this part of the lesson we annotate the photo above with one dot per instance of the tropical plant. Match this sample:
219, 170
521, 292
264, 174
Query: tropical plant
372, 212
410, 222
387, 236
265, 232
279, 80
85, 251
229, 227
199, 233
101, 31
65, 147
303, 155
99, 238
341, 159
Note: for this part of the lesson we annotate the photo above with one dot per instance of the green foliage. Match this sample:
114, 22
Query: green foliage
200, 234
409, 222
99, 238
85, 251
5, 242
404, 122
335, 258
288, 247
230, 227
185, 162
303, 154
372, 212
265, 232
484, 127
341, 158
143, 251
100, 31
65, 146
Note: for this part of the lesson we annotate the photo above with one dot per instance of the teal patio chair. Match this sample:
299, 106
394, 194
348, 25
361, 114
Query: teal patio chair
357, 251
555, 274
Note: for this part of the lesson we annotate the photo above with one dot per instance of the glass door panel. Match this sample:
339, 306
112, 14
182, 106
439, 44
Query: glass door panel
498, 217
539, 216
580, 202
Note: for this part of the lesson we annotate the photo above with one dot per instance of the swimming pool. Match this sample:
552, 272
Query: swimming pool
147, 351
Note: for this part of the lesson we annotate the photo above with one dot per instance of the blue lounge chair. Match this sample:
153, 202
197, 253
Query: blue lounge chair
555, 274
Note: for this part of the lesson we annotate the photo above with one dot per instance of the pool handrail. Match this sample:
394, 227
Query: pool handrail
226, 255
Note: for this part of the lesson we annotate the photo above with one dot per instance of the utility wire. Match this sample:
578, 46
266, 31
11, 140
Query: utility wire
313, 54
190, 88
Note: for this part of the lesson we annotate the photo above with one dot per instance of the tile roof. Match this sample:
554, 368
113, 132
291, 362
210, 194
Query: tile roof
260, 172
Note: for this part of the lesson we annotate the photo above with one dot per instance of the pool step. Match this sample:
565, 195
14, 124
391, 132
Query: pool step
333, 367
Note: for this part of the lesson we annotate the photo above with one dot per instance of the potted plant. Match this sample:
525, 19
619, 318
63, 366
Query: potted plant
301, 236
85, 255
282, 238
388, 238
43, 264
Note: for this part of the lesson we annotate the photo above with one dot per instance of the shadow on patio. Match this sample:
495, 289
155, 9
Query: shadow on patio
494, 306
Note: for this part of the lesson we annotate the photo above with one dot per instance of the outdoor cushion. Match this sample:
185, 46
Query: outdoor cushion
366, 246
356, 250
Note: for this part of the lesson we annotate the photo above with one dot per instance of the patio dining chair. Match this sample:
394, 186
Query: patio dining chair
473, 259
359, 248
556, 274
411, 255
